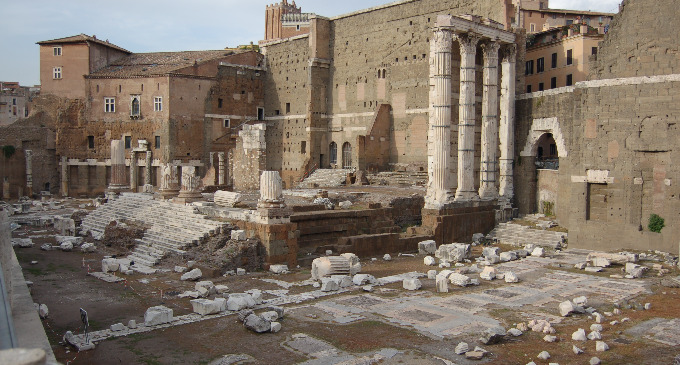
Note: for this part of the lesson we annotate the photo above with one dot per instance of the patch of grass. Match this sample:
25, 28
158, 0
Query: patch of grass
36, 271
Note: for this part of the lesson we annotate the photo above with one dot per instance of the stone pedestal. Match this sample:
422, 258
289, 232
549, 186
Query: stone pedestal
190, 189
487, 171
271, 208
466, 118
118, 181
169, 185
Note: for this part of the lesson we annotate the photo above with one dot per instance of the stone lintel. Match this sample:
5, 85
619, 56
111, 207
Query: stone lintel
460, 25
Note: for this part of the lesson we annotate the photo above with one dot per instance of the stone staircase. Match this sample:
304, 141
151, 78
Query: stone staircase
325, 178
399, 178
517, 234
172, 227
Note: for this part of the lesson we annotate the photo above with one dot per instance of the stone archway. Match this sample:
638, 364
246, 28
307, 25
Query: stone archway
542, 126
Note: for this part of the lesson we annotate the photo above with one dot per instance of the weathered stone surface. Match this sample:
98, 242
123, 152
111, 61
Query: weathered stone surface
207, 285
243, 313
75, 241
538, 252
132, 324
459, 279
43, 311
110, 265
549, 338
46, 247
192, 275
474, 355
635, 270
510, 277
508, 256
493, 259
275, 327
157, 315
462, 348
344, 281
88, 247
601, 346
429, 261
595, 335
521, 253
489, 273
278, 269
330, 265
22, 356
432, 274
412, 284
66, 246
428, 247
328, 284
600, 261
544, 355
205, 306
493, 335
442, 282
579, 335
566, 308
270, 316
387, 257
363, 279
514, 332
238, 301
581, 265
181, 269
614, 258
256, 294
117, 327
490, 251
576, 350
257, 324
582, 300
240, 271
454, 252
238, 235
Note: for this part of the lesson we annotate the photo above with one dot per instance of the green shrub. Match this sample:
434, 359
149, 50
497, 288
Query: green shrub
8, 150
656, 223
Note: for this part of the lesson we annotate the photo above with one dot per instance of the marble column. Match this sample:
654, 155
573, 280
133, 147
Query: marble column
507, 123
466, 118
439, 132
220, 168
147, 168
29, 172
271, 208
487, 171
117, 165
64, 176
134, 171
191, 184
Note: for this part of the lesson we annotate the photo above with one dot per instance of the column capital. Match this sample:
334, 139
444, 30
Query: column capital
490, 49
468, 42
443, 38
509, 52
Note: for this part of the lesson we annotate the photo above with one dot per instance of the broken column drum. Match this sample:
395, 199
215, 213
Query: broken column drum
117, 165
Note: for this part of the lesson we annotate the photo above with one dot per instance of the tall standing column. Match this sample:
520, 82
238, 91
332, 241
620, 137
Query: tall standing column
439, 186
134, 171
220, 168
117, 165
29, 172
147, 168
466, 118
64, 176
507, 124
487, 171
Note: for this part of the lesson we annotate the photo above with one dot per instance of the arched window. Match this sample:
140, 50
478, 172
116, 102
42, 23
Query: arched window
134, 107
346, 155
333, 153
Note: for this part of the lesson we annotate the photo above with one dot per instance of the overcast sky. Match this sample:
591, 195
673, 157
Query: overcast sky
153, 26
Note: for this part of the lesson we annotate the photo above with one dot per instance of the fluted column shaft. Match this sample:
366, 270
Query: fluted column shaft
117, 164
439, 185
220, 168
466, 118
487, 171
134, 171
507, 122
147, 168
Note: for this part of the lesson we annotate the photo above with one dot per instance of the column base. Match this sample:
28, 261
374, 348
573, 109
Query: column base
187, 196
488, 193
438, 200
466, 196
168, 193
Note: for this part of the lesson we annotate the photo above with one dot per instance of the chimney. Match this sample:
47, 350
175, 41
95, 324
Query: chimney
584, 29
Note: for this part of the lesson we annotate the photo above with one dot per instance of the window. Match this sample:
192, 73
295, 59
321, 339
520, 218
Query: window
56, 72
540, 86
346, 156
570, 80
135, 108
56, 50
532, 27
26, 112
90, 141
128, 142
219, 103
157, 142
297, 27
540, 65
553, 82
227, 123
570, 21
109, 105
333, 149
14, 101
277, 112
260, 113
553, 61
287, 108
569, 59
529, 68
593, 51
528, 89
158, 104
303, 147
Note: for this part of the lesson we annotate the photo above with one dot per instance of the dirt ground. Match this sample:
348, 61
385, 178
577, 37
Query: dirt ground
61, 281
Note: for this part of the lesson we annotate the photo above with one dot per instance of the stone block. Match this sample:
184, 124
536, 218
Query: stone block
205, 306
538, 252
508, 256
461, 348
459, 279
412, 284
601, 346
43, 311
493, 335
427, 247
181, 269
278, 269
270, 316
454, 252
157, 315
207, 285
132, 324
192, 275
275, 327
110, 265
66, 246
238, 235
363, 279
432, 274
510, 277
490, 251
88, 247
429, 261
239, 301
117, 327
75, 241
257, 324
600, 261
489, 273
579, 335
344, 281
328, 284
